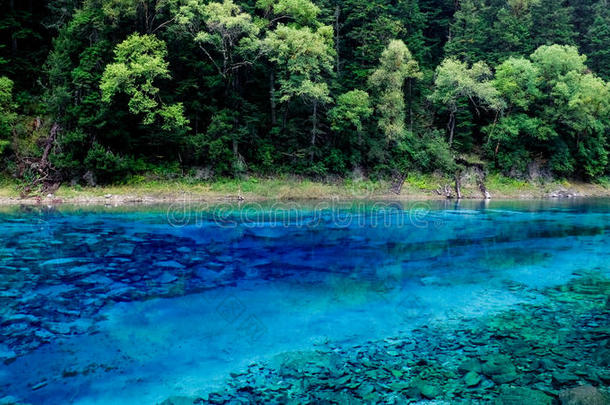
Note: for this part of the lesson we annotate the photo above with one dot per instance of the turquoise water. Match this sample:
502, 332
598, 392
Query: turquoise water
133, 306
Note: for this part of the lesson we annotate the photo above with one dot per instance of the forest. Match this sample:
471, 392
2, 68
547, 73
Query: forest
99, 91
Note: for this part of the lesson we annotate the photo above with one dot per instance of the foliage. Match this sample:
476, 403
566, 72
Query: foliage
456, 84
139, 61
7, 113
557, 111
395, 66
312, 88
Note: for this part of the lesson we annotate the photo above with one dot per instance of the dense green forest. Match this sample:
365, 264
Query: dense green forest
96, 91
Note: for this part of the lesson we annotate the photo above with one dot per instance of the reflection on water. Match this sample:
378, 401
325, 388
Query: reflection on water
138, 305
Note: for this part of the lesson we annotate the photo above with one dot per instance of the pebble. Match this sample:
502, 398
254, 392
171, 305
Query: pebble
166, 278
170, 264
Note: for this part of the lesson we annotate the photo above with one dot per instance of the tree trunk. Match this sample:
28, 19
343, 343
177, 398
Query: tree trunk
285, 117
235, 149
458, 186
13, 38
451, 126
272, 98
337, 38
410, 106
314, 129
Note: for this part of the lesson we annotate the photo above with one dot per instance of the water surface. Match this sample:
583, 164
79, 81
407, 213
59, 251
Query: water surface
134, 305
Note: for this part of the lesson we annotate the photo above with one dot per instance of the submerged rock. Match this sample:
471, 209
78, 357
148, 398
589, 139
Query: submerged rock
521, 396
9, 400
562, 378
166, 278
182, 401
584, 395
472, 379
170, 264
6, 354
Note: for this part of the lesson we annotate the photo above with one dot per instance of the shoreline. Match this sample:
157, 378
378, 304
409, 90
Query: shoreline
261, 190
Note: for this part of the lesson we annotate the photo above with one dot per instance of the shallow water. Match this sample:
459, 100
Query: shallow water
125, 306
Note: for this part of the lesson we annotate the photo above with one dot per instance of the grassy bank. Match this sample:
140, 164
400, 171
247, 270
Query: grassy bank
416, 186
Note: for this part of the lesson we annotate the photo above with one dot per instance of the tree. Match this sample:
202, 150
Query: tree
140, 61
222, 28
552, 23
350, 113
149, 14
454, 82
303, 57
229, 39
395, 66
469, 32
597, 43
517, 81
510, 34
556, 111
302, 12
7, 112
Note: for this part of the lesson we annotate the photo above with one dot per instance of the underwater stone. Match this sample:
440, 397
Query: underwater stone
170, 264
470, 365
67, 260
604, 376
504, 378
498, 365
564, 378
181, 401
584, 395
10, 400
97, 279
166, 278
6, 354
472, 379
426, 389
522, 396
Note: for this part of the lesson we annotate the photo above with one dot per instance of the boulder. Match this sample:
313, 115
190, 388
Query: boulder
583, 395
521, 396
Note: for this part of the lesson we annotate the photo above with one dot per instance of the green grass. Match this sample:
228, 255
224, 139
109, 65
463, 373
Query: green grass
8, 188
419, 181
503, 184
416, 186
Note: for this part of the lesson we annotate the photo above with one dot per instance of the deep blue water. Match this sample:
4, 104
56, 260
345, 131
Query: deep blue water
125, 306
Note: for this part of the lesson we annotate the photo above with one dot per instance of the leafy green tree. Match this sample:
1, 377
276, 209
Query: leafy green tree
517, 80
350, 113
556, 110
304, 57
583, 109
468, 32
24, 42
224, 29
455, 82
140, 61
302, 12
597, 43
229, 38
7, 112
367, 28
149, 15
510, 34
396, 65
513, 135
552, 23
555, 61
